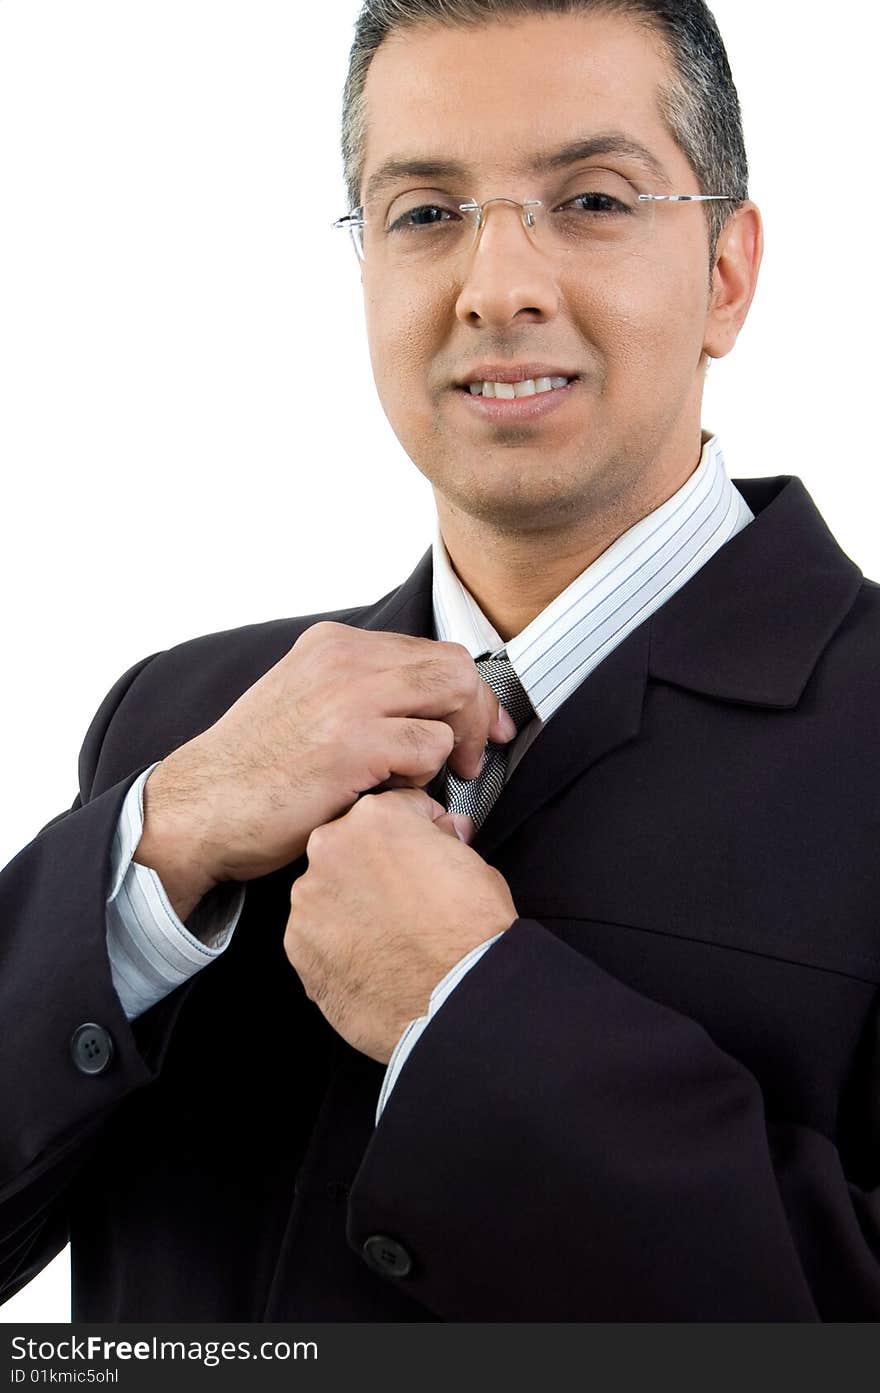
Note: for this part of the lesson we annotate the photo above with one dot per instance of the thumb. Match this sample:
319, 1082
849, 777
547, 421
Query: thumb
456, 825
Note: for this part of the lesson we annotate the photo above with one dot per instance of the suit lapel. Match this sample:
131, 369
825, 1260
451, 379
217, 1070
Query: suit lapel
603, 713
749, 627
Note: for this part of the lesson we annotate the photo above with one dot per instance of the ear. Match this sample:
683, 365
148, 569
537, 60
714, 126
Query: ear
734, 279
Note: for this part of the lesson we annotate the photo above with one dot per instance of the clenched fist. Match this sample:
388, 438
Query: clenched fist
390, 901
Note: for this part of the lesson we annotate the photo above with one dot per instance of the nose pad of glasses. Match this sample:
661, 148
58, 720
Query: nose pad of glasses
479, 210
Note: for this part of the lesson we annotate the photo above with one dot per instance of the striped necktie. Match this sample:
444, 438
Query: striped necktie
476, 796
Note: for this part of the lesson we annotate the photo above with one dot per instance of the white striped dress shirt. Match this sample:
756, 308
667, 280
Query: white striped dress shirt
151, 951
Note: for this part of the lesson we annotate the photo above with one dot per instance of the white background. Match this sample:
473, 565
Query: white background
185, 391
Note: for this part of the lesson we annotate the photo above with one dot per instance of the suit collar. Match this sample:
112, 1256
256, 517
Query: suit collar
752, 624
406, 609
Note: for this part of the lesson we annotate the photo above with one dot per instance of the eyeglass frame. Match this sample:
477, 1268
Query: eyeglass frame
355, 219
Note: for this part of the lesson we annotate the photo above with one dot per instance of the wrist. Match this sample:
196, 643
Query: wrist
171, 845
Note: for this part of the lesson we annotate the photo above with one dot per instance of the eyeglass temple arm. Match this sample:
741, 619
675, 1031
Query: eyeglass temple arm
353, 219
686, 198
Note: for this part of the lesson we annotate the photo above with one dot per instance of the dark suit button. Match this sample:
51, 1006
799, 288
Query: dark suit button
92, 1048
386, 1256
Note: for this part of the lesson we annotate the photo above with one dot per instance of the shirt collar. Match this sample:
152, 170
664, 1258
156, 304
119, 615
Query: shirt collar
642, 569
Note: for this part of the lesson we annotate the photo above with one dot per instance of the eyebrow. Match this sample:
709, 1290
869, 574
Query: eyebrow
398, 167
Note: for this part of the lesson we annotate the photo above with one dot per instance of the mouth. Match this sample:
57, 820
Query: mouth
528, 399
514, 391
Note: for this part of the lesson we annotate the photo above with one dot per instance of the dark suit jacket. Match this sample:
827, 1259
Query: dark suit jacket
657, 1098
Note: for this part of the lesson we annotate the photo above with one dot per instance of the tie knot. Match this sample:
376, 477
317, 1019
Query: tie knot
499, 674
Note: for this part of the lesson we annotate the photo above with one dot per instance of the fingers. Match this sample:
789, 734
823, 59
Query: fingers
459, 825
389, 676
455, 824
445, 686
409, 751
420, 802
416, 801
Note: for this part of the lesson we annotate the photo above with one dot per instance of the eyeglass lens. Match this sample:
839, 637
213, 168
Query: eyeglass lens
592, 208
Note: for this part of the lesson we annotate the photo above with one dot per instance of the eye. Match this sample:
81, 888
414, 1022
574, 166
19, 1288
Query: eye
425, 215
597, 195
600, 203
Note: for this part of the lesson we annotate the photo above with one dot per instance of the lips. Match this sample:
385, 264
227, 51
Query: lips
512, 408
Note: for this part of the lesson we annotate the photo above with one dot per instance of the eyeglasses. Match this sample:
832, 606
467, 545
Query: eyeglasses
593, 210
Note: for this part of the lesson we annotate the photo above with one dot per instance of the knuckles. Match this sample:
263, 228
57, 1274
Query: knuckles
322, 643
369, 808
432, 742
461, 657
387, 806
449, 668
465, 669
323, 632
318, 838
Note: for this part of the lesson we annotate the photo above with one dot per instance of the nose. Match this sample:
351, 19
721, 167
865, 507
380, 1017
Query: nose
507, 275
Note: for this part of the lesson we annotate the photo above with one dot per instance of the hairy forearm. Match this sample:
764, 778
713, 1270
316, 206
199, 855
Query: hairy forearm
170, 844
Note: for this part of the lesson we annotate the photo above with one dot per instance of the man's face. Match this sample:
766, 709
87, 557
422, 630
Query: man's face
631, 328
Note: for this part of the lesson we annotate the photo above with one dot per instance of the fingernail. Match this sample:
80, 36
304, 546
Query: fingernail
508, 723
463, 826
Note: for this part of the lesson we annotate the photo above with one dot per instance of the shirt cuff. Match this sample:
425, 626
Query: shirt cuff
439, 995
150, 950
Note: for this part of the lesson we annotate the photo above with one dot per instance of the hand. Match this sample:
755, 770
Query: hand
344, 711
390, 901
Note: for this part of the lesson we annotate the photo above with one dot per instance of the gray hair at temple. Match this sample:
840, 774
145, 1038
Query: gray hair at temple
700, 106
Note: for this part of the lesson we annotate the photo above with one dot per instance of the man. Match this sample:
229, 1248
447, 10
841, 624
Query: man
530, 957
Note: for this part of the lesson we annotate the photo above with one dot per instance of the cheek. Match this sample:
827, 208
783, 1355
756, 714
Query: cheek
402, 328
647, 321
405, 333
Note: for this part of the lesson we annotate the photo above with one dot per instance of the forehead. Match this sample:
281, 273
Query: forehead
492, 95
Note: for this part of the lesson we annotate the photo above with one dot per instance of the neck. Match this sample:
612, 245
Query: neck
513, 576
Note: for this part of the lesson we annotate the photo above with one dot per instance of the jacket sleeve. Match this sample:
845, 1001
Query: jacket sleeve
54, 977
560, 1147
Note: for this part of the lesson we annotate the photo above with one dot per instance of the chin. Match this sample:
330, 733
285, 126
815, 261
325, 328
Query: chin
523, 509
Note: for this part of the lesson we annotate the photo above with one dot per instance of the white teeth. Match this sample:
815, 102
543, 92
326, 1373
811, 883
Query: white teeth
508, 390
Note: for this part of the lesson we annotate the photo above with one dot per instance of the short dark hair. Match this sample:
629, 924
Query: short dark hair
700, 107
